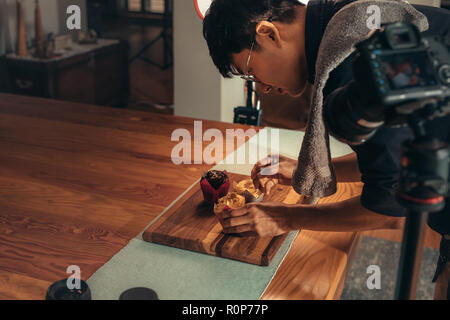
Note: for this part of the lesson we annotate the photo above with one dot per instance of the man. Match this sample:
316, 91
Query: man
275, 43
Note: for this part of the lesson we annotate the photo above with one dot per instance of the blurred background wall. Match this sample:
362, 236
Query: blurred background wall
53, 14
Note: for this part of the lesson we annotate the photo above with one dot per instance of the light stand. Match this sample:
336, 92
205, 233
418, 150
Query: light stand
251, 114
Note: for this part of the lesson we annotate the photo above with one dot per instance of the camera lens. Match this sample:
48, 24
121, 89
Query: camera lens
344, 116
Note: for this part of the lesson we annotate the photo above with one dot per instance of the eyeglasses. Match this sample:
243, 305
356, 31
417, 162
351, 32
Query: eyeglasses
247, 76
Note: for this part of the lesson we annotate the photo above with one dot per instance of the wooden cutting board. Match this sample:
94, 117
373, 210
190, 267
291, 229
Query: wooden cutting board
191, 224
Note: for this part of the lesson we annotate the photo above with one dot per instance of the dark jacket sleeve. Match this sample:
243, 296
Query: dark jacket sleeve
379, 163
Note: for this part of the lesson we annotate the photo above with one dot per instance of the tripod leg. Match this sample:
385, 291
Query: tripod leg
442, 288
411, 256
442, 274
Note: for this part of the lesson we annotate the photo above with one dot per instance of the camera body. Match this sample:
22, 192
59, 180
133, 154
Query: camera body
399, 65
397, 73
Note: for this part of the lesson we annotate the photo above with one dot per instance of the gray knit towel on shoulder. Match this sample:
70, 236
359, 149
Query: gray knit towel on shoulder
314, 176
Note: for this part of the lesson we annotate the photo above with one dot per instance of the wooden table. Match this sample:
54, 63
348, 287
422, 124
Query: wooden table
77, 182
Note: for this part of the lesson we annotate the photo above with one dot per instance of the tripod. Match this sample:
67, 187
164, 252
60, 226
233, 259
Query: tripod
165, 36
251, 114
423, 185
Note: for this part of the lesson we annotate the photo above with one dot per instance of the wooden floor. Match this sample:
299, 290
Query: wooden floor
432, 238
78, 182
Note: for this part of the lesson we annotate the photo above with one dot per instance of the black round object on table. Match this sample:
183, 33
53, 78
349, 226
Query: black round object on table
139, 294
60, 291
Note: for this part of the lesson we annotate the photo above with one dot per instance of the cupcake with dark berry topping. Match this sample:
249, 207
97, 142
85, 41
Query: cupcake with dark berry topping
214, 185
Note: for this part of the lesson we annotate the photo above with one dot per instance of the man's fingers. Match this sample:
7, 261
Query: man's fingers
256, 183
269, 185
262, 165
265, 161
269, 171
233, 213
238, 229
236, 221
257, 169
262, 178
254, 176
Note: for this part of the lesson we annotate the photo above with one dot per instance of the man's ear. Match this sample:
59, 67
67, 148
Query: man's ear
267, 34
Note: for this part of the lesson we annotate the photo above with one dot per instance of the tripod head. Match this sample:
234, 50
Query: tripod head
424, 173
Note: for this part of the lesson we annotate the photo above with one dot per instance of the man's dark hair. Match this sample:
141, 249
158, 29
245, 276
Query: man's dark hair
230, 26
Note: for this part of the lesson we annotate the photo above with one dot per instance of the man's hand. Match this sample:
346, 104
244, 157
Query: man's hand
261, 219
273, 172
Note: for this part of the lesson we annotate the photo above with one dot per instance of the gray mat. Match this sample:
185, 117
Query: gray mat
178, 274
386, 255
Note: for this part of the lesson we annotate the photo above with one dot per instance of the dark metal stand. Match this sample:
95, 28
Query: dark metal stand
423, 186
165, 36
411, 256
251, 114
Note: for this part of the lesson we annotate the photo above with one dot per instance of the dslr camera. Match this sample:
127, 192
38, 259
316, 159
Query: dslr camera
396, 72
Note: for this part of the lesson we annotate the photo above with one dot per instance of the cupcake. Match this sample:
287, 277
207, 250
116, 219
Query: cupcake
229, 202
214, 185
247, 189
